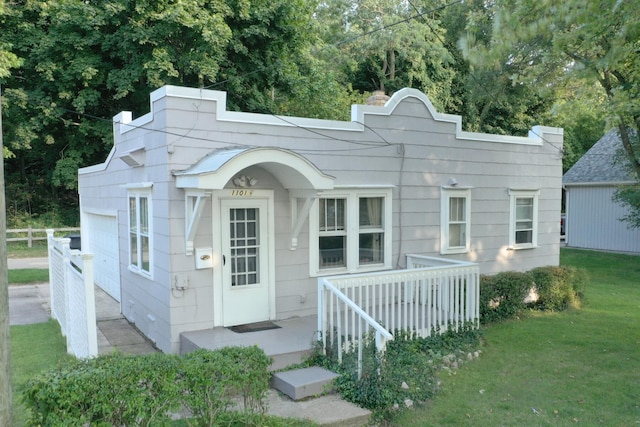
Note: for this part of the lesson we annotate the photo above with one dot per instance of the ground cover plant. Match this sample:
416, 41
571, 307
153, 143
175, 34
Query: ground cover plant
575, 367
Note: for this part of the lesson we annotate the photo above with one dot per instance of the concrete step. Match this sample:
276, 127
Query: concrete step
302, 383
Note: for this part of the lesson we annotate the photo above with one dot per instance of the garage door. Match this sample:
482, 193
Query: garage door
103, 244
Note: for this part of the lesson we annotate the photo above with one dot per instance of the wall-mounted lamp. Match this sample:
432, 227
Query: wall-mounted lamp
452, 182
244, 181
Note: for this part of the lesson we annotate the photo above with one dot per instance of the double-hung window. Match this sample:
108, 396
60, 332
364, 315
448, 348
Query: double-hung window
455, 224
351, 231
140, 232
523, 223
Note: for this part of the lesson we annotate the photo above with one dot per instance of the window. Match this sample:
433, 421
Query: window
455, 224
140, 232
351, 231
523, 223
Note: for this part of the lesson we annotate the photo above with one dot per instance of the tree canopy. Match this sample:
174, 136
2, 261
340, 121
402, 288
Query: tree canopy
552, 45
503, 65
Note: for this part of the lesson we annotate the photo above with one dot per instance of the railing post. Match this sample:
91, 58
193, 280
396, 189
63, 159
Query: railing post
30, 236
321, 315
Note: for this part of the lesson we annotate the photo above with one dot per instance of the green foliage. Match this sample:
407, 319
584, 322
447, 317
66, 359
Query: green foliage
629, 196
108, 390
34, 349
502, 295
559, 288
406, 372
147, 390
214, 378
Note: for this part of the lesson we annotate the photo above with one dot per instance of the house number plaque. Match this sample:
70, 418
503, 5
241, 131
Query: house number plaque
242, 193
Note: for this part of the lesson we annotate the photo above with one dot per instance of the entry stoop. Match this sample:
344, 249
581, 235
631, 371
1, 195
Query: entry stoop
302, 383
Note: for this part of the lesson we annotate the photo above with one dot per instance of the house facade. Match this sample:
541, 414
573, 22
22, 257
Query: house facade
202, 217
593, 217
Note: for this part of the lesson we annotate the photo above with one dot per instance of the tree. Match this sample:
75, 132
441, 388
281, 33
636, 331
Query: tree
86, 61
387, 45
8, 60
547, 44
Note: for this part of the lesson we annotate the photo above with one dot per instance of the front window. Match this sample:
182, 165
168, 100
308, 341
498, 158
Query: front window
140, 232
332, 240
523, 225
455, 224
350, 231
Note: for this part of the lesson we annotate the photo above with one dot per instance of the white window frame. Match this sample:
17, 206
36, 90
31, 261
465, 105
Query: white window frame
138, 267
514, 195
352, 231
446, 194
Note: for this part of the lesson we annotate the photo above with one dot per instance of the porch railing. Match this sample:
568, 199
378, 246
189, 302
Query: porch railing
430, 296
73, 296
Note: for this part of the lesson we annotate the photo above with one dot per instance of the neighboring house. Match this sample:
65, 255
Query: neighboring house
202, 217
593, 218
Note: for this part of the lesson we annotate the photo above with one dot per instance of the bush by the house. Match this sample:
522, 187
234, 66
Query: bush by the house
502, 295
215, 378
505, 295
404, 375
559, 288
148, 389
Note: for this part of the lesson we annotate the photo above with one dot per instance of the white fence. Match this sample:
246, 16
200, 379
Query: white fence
73, 296
432, 295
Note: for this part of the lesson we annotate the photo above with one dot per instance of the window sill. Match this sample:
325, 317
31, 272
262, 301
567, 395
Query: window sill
344, 270
454, 251
141, 273
521, 247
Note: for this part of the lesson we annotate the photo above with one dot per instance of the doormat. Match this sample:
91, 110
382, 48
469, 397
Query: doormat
254, 327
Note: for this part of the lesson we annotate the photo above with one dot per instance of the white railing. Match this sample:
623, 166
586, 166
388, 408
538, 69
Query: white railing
73, 296
431, 295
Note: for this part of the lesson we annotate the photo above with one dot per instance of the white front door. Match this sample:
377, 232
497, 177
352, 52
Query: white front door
245, 231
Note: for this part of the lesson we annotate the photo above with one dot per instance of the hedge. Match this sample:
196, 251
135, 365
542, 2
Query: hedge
145, 390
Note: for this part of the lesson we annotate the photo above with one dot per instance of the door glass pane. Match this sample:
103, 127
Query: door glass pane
245, 244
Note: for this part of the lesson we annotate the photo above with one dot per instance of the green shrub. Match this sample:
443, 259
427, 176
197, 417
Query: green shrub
214, 378
502, 295
108, 390
407, 371
559, 288
120, 390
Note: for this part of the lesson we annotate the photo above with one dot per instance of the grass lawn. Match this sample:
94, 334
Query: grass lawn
34, 349
578, 367
22, 250
28, 275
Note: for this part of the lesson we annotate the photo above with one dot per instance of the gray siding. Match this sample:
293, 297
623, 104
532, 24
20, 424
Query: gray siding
413, 149
593, 221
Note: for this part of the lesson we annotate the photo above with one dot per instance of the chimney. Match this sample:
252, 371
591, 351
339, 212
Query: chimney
378, 98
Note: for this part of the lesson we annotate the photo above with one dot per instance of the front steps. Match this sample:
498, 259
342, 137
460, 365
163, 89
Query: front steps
302, 383
307, 396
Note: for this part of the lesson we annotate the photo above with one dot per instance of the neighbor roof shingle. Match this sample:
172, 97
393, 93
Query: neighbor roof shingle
604, 162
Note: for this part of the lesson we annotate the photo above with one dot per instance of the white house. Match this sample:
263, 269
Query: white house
202, 217
593, 218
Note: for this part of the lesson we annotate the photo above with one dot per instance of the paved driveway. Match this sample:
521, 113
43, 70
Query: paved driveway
29, 304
